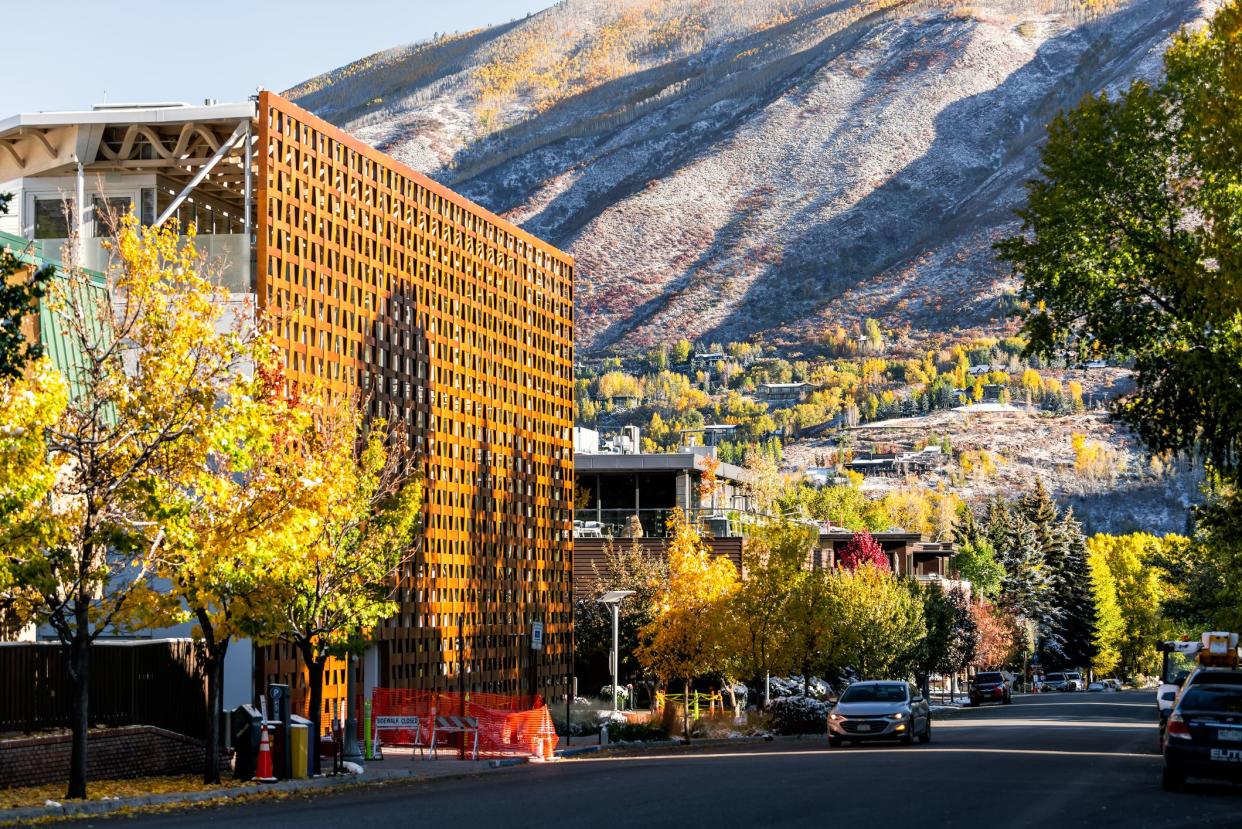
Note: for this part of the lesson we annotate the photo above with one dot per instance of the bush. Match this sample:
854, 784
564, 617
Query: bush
623, 695
634, 732
799, 715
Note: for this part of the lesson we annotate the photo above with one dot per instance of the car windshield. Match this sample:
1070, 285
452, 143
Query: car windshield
1074, 676
988, 678
874, 693
1212, 698
1055, 677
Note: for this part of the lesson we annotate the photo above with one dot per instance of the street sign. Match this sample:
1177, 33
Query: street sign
536, 636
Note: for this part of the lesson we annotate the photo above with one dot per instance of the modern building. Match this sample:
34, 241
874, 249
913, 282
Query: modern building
909, 554
628, 497
783, 394
445, 319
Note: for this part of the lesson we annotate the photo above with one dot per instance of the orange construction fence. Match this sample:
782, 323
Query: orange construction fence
509, 726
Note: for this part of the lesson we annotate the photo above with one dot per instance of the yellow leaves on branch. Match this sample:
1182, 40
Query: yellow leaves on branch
688, 636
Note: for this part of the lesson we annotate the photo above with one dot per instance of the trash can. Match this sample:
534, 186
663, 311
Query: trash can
299, 740
244, 722
305, 754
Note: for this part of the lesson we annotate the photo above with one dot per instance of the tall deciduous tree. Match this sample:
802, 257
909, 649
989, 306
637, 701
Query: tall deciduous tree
1000, 638
148, 366
1140, 593
227, 528
29, 405
881, 621
689, 635
1110, 626
1133, 244
773, 560
351, 533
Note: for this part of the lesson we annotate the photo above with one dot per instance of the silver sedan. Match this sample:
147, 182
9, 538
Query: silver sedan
879, 711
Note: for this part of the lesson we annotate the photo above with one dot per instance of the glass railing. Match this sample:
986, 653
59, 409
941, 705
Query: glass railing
227, 254
653, 523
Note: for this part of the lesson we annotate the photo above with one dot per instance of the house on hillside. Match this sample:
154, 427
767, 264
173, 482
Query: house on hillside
783, 394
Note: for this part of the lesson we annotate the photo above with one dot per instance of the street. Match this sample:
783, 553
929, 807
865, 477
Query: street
1056, 760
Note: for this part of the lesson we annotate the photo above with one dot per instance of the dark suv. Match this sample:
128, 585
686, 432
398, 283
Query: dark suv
1203, 735
989, 686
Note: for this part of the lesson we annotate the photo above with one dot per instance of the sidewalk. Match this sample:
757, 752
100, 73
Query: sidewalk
398, 764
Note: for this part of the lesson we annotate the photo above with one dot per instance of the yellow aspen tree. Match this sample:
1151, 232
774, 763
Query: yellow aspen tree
351, 533
151, 354
690, 632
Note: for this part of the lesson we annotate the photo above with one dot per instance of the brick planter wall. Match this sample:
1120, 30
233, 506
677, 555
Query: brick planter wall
132, 751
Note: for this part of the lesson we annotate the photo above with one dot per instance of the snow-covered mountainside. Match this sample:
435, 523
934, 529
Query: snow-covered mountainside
729, 168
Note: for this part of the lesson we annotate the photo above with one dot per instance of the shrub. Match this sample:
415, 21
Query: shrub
799, 715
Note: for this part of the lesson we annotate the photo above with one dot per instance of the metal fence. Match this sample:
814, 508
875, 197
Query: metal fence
132, 683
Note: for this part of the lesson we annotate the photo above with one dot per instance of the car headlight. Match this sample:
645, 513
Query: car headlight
835, 717
897, 716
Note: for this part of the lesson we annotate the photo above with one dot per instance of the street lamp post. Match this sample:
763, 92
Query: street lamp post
612, 599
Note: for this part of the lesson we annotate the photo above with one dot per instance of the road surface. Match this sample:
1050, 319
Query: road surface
1049, 761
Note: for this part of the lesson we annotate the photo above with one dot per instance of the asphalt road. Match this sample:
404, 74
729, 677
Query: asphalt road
1054, 760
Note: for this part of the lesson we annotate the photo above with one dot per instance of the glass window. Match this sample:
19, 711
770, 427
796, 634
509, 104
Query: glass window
109, 212
1212, 698
146, 214
50, 220
875, 693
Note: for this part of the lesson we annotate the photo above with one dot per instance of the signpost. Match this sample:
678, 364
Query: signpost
536, 636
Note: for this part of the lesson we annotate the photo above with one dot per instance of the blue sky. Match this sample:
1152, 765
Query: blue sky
65, 54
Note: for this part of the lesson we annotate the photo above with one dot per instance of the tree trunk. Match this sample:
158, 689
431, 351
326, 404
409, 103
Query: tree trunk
314, 669
215, 680
685, 715
80, 675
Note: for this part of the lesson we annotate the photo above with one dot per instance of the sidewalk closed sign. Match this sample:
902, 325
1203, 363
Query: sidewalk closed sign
536, 636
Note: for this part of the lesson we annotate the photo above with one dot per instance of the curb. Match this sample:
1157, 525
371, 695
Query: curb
103, 807
508, 761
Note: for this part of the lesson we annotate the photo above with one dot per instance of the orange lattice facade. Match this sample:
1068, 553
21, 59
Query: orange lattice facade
458, 326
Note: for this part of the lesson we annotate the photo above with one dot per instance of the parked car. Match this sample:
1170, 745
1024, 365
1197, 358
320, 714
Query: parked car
1053, 682
1098, 686
989, 686
1074, 681
1203, 734
1113, 684
879, 710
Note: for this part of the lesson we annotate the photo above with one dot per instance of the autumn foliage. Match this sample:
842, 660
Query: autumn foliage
863, 549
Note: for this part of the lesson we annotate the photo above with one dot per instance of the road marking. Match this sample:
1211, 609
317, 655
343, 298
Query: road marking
1031, 723
824, 752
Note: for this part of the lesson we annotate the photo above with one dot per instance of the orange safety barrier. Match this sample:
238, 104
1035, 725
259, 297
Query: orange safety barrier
509, 726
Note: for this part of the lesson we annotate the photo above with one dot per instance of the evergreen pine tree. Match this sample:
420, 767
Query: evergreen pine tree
17, 297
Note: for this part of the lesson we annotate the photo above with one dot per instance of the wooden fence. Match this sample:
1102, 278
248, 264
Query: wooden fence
132, 683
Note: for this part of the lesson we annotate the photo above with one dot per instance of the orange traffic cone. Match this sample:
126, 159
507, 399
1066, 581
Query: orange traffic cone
264, 771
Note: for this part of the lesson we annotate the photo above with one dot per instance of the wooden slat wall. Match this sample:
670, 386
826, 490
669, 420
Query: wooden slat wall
458, 325
589, 556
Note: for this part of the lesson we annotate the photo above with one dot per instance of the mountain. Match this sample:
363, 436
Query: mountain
725, 169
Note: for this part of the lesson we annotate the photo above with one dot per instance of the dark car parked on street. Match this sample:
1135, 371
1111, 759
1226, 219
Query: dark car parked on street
1203, 735
990, 686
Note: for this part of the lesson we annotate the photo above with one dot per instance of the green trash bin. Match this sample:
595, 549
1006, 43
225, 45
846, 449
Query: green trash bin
300, 739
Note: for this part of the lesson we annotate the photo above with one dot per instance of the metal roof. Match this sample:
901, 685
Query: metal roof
162, 113
657, 462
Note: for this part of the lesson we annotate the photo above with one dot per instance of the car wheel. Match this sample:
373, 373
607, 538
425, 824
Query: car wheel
925, 737
1172, 780
834, 741
907, 738
1007, 700
974, 704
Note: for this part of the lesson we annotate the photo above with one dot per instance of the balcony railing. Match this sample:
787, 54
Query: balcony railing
613, 523
227, 254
